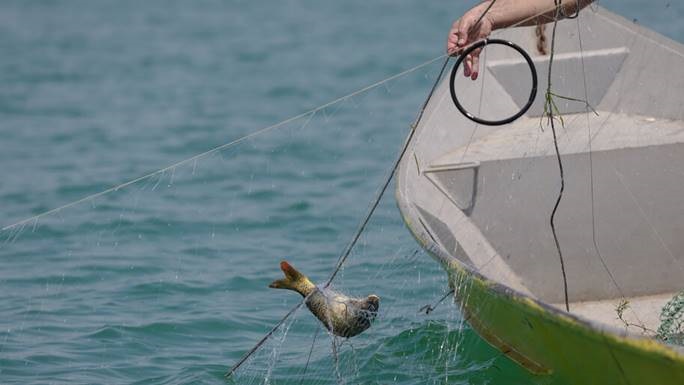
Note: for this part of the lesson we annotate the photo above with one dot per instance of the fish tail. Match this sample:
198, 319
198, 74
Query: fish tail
294, 280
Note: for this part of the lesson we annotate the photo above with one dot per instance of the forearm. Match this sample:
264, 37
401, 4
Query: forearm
507, 13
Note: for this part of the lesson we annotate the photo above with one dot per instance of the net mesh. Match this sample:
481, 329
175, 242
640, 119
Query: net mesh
164, 279
671, 327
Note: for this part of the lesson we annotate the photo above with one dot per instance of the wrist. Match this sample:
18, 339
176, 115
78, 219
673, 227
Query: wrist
488, 10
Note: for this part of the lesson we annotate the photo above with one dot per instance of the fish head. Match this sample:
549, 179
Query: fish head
373, 302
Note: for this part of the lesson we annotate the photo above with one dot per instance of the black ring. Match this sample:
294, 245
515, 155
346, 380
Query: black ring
480, 44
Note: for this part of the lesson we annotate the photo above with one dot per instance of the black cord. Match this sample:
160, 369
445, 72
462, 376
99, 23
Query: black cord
308, 358
360, 229
379, 195
364, 222
558, 157
430, 308
262, 340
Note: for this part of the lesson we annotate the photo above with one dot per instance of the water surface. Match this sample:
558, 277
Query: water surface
165, 281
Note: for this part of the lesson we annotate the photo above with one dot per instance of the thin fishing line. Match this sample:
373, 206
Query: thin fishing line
479, 107
592, 186
511, 26
365, 221
642, 212
308, 358
594, 237
345, 254
226, 145
591, 169
263, 340
559, 13
479, 111
336, 360
275, 351
388, 179
592, 135
376, 201
482, 15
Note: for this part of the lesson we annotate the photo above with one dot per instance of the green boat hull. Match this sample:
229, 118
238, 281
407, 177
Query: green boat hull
549, 342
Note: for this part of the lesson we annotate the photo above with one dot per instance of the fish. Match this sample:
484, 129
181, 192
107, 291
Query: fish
342, 315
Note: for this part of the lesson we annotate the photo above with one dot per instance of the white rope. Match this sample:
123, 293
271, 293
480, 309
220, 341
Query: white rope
224, 146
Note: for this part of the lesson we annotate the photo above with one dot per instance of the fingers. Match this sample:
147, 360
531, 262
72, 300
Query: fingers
451, 47
464, 30
475, 69
468, 66
471, 64
459, 34
452, 38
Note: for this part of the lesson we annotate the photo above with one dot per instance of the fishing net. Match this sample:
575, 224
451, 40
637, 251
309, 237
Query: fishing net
671, 327
164, 278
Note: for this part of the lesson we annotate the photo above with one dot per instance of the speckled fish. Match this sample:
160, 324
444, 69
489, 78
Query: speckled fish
342, 315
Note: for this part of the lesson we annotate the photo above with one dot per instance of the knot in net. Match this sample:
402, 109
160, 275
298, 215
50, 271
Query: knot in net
671, 327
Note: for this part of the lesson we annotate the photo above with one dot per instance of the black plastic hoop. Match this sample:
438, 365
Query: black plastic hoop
480, 44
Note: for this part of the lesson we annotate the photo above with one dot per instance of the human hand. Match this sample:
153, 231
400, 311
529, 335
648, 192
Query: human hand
464, 31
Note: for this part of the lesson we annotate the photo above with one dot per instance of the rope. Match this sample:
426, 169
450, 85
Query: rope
263, 340
308, 358
550, 108
345, 254
430, 308
374, 203
483, 14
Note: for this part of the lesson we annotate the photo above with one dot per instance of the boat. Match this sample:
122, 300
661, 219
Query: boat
479, 198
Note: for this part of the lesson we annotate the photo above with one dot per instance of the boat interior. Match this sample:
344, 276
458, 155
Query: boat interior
486, 194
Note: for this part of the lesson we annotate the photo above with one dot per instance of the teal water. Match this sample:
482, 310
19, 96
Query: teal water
165, 281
